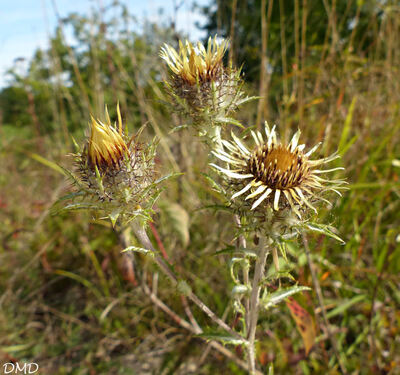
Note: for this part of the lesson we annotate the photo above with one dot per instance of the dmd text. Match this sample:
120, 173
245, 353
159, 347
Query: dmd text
16, 368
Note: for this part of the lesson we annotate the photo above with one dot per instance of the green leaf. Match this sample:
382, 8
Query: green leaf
70, 196
16, 348
99, 180
324, 229
347, 128
271, 369
81, 280
240, 290
46, 162
167, 177
76, 207
229, 120
230, 249
178, 128
184, 288
373, 185
345, 306
348, 145
280, 295
247, 99
216, 186
138, 249
114, 216
76, 145
243, 262
222, 337
275, 275
215, 207
282, 249
76, 180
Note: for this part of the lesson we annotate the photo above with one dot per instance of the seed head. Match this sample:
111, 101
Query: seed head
275, 175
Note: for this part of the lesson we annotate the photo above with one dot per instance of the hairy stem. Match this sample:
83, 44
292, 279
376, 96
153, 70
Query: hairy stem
254, 304
242, 243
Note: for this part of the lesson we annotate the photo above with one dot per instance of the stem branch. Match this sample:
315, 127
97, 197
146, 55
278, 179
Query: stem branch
196, 330
254, 304
145, 241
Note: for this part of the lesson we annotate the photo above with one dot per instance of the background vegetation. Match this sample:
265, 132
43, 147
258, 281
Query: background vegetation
69, 302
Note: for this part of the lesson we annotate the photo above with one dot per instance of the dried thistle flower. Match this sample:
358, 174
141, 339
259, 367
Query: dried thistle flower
199, 83
277, 178
115, 173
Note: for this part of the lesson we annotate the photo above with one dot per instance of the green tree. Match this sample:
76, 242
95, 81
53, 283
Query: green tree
325, 22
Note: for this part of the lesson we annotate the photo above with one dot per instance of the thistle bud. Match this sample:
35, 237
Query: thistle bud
106, 147
115, 173
199, 83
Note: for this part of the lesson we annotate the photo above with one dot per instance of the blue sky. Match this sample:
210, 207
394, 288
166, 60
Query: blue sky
24, 24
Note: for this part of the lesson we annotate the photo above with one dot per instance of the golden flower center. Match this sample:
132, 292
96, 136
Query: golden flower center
278, 167
283, 157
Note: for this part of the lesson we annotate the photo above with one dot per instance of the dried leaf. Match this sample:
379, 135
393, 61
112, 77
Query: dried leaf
304, 322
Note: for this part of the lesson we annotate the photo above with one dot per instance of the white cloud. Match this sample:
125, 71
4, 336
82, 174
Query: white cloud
22, 45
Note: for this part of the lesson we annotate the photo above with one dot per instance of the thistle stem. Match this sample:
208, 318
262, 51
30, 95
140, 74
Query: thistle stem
216, 135
145, 241
242, 243
191, 328
255, 304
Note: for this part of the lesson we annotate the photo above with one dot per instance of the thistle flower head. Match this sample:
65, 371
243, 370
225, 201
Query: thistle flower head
193, 64
200, 86
115, 173
106, 146
275, 175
